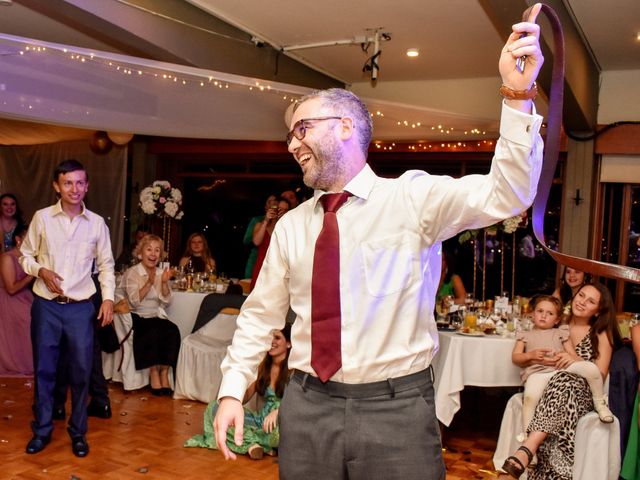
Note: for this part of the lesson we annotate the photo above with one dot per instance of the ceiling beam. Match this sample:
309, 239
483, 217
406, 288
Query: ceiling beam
175, 31
581, 72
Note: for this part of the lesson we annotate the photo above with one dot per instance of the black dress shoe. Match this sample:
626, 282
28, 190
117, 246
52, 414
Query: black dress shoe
100, 411
79, 446
37, 443
58, 413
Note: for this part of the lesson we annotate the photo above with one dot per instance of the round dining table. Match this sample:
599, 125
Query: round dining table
468, 360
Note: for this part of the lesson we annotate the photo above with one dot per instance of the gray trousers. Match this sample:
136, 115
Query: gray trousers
384, 430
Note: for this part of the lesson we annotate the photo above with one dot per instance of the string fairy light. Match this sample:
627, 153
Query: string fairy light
413, 125
147, 69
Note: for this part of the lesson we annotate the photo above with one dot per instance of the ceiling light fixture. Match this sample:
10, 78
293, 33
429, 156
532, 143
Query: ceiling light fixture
377, 35
413, 52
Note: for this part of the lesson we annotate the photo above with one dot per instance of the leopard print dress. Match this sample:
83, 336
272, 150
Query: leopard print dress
566, 398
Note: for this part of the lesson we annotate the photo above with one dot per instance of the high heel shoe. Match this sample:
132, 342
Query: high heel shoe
513, 466
156, 391
167, 391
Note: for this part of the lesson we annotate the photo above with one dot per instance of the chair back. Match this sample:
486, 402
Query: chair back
212, 304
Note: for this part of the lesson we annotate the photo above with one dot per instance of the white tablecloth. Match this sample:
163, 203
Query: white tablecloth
183, 310
474, 361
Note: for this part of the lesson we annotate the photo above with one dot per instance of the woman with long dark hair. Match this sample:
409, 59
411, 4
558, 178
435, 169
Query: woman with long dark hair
16, 358
570, 283
10, 219
261, 433
197, 255
567, 397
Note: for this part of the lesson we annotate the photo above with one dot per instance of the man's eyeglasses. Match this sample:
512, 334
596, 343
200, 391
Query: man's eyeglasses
299, 129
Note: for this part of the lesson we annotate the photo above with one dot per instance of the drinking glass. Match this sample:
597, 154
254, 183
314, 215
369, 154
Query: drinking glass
471, 320
469, 301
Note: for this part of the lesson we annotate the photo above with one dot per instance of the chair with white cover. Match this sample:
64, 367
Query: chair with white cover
120, 366
198, 374
597, 444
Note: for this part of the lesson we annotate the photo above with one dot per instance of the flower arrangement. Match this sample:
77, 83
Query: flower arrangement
161, 200
510, 225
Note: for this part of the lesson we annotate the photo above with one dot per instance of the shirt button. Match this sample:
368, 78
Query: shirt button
528, 128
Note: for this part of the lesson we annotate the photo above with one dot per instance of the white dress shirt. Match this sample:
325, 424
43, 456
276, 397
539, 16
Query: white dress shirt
390, 245
68, 246
154, 302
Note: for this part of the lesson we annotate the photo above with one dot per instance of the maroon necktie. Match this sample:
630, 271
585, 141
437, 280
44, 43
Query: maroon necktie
326, 358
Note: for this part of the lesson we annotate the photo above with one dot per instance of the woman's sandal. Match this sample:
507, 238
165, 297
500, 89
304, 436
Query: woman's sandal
256, 452
513, 466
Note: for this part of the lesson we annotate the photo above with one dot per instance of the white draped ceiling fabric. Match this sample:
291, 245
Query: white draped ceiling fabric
75, 87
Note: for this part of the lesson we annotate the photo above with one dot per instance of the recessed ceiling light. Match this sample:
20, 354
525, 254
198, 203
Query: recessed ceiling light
413, 52
638, 36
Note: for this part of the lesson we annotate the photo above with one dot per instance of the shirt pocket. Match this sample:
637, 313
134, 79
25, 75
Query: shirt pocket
83, 250
388, 265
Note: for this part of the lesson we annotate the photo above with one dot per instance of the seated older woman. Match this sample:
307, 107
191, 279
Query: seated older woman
156, 340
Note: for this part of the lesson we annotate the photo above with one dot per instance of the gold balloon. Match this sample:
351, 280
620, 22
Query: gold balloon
120, 138
100, 143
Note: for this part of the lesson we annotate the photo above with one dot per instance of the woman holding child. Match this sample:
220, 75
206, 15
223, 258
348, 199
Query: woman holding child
567, 397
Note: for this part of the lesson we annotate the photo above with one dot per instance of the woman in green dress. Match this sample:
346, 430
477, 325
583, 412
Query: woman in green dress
631, 460
450, 282
261, 433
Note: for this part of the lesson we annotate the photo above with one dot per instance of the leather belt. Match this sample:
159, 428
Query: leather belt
62, 300
552, 149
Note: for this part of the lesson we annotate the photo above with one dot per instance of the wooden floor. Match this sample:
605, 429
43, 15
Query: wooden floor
144, 439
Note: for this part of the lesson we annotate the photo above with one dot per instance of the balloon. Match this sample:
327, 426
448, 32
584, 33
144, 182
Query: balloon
120, 138
100, 143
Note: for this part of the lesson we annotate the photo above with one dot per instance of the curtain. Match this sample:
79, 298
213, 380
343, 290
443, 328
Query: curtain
27, 172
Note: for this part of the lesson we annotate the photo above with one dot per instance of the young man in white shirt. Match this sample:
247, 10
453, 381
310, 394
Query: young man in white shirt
59, 250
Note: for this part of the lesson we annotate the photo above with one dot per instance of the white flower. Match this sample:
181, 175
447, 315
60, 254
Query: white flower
162, 184
510, 225
162, 200
176, 196
148, 207
171, 208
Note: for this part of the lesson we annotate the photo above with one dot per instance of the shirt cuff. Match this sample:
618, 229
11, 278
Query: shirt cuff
519, 127
233, 385
108, 295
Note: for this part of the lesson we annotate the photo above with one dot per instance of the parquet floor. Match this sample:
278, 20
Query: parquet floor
143, 440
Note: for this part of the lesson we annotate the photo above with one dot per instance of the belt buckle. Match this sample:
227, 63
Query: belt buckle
62, 300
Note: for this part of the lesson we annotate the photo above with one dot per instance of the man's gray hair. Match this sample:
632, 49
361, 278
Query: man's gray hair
346, 104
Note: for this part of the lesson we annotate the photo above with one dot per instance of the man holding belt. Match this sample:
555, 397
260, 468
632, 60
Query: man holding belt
359, 263
62, 242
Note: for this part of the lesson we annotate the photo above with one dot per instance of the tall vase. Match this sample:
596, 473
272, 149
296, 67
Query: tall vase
501, 263
484, 265
166, 236
513, 265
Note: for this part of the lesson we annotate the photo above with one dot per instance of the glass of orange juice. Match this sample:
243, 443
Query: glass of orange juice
471, 321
